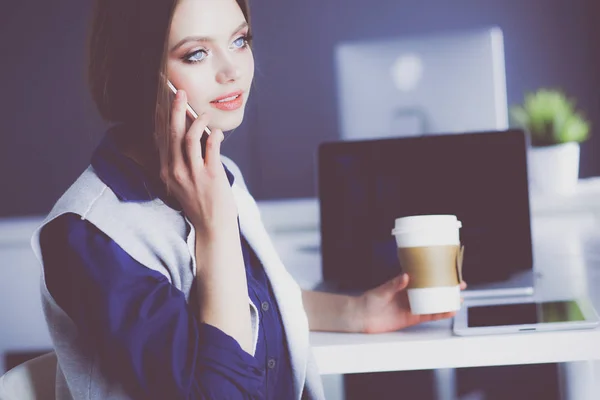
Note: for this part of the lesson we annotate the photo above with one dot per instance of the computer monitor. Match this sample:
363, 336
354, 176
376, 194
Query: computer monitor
444, 83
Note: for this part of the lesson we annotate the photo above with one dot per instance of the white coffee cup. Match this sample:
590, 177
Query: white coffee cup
426, 235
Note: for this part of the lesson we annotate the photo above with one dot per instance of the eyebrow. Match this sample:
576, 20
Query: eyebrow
204, 38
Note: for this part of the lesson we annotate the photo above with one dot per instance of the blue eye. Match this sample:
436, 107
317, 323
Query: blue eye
199, 55
240, 42
196, 56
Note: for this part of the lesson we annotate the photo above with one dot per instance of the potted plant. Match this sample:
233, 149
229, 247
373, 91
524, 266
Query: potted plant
555, 129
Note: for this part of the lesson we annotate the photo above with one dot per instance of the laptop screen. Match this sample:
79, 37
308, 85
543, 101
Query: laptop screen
479, 177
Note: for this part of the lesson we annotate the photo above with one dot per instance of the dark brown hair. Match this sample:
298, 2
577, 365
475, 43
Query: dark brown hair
127, 59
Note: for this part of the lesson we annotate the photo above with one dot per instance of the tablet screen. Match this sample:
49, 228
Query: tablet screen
524, 313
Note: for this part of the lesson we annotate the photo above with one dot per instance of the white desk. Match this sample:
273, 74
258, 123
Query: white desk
572, 240
567, 254
584, 200
433, 346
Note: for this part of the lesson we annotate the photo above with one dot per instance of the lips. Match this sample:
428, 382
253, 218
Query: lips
229, 102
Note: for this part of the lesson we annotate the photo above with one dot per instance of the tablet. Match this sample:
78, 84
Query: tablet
481, 317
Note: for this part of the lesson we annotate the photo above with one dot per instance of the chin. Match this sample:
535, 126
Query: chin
228, 122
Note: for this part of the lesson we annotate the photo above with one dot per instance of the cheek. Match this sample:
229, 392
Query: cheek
176, 75
196, 81
188, 78
248, 65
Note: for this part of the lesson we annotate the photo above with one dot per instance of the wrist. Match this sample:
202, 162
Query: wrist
218, 254
351, 316
217, 234
357, 316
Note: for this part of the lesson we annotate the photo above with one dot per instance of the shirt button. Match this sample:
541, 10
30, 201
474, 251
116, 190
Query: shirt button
265, 306
271, 363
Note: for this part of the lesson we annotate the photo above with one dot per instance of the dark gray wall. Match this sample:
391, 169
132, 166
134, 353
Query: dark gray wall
547, 43
593, 42
49, 126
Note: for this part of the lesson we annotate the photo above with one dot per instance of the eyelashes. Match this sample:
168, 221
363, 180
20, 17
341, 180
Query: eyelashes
241, 43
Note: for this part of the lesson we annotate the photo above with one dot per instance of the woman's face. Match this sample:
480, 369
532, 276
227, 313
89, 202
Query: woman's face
209, 57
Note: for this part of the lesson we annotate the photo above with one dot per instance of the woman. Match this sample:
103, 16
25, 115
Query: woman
159, 279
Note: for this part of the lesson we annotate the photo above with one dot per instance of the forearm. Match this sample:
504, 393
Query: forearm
223, 289
331, 312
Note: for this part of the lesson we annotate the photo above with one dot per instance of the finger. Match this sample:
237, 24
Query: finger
396, 281
403, 282
393, 286
176, 134
446, 315
163, 140
193, 145
213, 149
425, 317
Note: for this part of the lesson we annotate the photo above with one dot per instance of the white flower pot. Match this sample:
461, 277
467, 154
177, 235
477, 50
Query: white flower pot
554, 169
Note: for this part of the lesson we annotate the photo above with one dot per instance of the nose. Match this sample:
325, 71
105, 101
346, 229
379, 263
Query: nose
228, 72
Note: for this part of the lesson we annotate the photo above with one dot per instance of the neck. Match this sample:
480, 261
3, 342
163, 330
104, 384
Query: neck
142, 154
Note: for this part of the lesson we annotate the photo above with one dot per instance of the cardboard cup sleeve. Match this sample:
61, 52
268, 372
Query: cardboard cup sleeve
432, 266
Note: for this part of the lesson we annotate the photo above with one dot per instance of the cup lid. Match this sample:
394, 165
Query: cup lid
420, 222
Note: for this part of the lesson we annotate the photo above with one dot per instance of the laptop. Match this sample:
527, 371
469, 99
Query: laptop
364, 185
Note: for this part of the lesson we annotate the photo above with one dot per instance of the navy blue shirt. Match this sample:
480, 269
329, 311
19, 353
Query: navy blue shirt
146, 334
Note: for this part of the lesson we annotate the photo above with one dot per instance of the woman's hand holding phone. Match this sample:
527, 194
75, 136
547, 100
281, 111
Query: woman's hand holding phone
199, 183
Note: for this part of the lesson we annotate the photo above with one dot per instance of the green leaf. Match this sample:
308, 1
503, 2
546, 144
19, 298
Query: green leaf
550, 118
575, 129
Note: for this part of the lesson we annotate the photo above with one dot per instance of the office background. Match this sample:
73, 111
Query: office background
49, 125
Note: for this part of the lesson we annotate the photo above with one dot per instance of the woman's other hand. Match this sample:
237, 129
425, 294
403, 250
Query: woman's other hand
386, 308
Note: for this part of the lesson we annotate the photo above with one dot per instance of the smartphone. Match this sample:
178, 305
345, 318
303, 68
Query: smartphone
192, 112
194, 115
